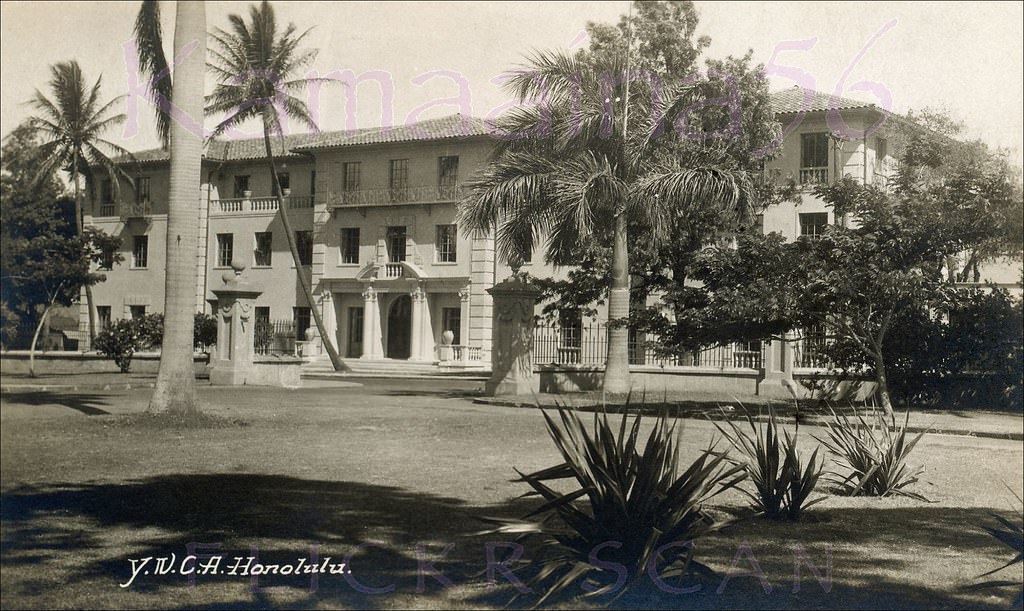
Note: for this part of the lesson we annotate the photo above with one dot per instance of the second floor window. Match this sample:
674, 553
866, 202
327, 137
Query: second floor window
349, 245
396, 244
814, 158
241, 185
304, 244
142, 192
106, 191
350, 171
813, 224
445, 244
264, 248
398, 179
286, 182
140, 251
447, 176
225, 249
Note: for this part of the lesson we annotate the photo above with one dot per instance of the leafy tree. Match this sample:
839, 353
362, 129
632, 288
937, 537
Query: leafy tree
44, 261
595, 147
256, 65
175, 384
71, 127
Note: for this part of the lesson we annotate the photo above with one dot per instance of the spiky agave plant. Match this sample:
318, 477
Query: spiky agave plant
628, 499
875, 454
1012, 536
782, 483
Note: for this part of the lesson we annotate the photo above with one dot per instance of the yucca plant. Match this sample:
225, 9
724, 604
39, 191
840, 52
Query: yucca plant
876, 455
1012, 536
782, 483
631, 495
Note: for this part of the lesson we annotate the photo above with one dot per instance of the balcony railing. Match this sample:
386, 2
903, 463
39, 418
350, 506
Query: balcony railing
393, 270
259, 204
406, 195
814, 176
135, 210
448, 353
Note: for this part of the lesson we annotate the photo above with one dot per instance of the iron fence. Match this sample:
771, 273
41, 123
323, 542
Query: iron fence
274, 337
588, 345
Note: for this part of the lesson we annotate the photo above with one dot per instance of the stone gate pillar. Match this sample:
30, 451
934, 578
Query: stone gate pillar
512, 347
235, 328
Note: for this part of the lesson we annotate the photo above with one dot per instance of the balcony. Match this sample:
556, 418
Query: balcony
135, 210
814, 176
394, 196
240, 205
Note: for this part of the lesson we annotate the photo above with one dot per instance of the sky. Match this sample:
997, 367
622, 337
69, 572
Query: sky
439, 57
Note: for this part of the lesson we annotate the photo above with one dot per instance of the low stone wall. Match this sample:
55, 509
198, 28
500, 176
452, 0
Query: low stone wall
739, 382
285, 371
15, 362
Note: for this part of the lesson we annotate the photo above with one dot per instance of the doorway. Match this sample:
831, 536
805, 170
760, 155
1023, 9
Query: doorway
355, 333
400, 328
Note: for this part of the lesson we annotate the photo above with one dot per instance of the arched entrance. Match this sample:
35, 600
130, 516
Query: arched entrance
400, 328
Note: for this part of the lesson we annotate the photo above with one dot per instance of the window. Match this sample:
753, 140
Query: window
312, 183
812, 224
349, 245
881, 149
814, 158
570, 323
137, 311
396, 244
264, 248
241, 185
300, 316
398, 179
451, 320
351, 171
286, 182
106, 191
107, 260
225, 249
263, 336
103, 315
140, 251
447, 177
304, 243
142, 192
445, 245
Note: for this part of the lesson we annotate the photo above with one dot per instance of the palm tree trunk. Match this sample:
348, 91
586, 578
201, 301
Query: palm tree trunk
616, 370
293, 247
35, 339
175, 382
79, 228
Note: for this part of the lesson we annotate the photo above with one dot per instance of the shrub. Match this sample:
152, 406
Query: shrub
204, 331
120, 341
636, 502
782, 484
875, 454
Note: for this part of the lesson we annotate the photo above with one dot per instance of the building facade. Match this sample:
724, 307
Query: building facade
374, 213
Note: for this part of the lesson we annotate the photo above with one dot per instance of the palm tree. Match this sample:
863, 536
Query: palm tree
70, 126
255, 64
175, 383
588, 155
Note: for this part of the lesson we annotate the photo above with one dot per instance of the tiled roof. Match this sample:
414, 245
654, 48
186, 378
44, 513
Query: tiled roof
797, 99
452, 126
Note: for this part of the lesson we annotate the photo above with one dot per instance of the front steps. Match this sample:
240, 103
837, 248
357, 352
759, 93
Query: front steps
320, 369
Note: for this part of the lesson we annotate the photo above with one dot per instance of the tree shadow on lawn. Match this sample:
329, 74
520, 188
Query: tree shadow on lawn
84, 534
85, 403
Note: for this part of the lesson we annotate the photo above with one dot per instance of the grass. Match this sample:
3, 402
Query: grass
409, 469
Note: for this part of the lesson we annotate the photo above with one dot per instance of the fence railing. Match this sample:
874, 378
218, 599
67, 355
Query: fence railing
259, 204
588, 345
448, 353
400, 195
809, 350
274, 337
814, 176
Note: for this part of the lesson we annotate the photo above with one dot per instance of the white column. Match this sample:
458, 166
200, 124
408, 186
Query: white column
371, 325
464, 294
330, 317
419, 299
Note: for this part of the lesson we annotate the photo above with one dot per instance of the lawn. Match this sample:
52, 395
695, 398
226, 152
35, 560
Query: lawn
391, 476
